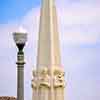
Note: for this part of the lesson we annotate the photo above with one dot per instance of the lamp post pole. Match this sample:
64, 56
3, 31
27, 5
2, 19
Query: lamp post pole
20, 75
20, 39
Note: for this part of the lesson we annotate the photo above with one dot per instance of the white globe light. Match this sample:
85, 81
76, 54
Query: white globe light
20, 37
22, 30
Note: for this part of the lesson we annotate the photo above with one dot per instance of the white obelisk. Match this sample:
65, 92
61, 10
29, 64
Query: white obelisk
48, 79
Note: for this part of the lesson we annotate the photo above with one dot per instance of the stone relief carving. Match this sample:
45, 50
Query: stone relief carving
59, 78
44, 78
34, 79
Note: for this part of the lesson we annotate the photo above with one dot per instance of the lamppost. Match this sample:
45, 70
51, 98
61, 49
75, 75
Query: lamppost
20, 39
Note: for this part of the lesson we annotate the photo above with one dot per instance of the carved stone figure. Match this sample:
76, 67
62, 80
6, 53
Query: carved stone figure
34, 80
44, 78
59, 78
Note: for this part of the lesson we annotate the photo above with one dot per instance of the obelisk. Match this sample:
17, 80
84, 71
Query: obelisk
48, 78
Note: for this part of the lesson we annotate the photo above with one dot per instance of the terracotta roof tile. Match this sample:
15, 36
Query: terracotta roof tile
7, 98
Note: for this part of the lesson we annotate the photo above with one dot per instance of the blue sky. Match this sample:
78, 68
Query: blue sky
14, 9
79, 22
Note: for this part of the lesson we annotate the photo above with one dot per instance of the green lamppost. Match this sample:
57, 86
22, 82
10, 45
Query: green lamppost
20, 39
